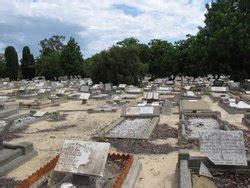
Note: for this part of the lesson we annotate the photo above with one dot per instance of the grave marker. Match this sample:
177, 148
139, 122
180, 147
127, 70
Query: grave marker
83, 158
223, 147
84, 88
84, 96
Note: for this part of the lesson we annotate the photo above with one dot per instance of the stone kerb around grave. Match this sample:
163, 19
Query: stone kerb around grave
183, 137
140, 111
186, 163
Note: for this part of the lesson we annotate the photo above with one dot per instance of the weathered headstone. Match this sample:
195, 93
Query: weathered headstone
84, 88
133, 111
83, 158
108, 87
223, 147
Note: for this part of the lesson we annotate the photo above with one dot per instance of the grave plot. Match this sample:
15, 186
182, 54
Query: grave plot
164, 90
26, 92
194, 106
191, 123
86, 166
104, 108
20, 121
100, 96
136, 130
130, 96
135, 123
43, 103
225, 166
189, 95
133, 90
233, 106
216, 93
131, 128
12, 156
8, 110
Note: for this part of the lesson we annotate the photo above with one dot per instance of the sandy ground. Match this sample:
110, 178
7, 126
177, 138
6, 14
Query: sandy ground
157, 170
235, 119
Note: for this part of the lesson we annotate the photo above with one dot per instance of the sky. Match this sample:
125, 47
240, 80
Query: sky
97, 24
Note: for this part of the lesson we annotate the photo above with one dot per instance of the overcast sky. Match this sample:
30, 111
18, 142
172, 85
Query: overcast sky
97, 24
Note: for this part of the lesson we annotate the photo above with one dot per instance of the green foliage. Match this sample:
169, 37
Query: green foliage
11, 63
48, 65
117, 65
28, 64
2, 69
55, 43
71, 59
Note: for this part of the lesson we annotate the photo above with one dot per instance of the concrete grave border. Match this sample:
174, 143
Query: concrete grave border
183, 138
8, 112
23, 152
186, 163
154, 121
38, 105
126, 177
232, 110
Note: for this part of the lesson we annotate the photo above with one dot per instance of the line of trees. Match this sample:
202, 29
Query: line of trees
222, 46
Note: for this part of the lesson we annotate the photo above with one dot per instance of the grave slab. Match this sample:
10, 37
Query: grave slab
223, 147
83, 158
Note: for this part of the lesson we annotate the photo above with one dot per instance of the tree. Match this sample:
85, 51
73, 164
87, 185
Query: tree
11, 63
54, 43
48, 65
118, 65
71, 60
162, 58
27, 64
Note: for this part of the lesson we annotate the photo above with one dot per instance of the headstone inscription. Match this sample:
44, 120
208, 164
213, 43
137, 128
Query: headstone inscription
223, 147
83, 158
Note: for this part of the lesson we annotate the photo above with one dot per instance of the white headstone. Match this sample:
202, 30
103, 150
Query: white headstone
223, 147
133, 111
83, 158
39, 114
84, 96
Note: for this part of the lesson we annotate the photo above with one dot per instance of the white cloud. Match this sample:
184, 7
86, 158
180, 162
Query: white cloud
103, 25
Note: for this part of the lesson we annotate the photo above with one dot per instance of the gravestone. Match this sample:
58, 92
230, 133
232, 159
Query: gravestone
223, 147
140, 111
108, 87
84, 96
133, 111
85, 88
83, 158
